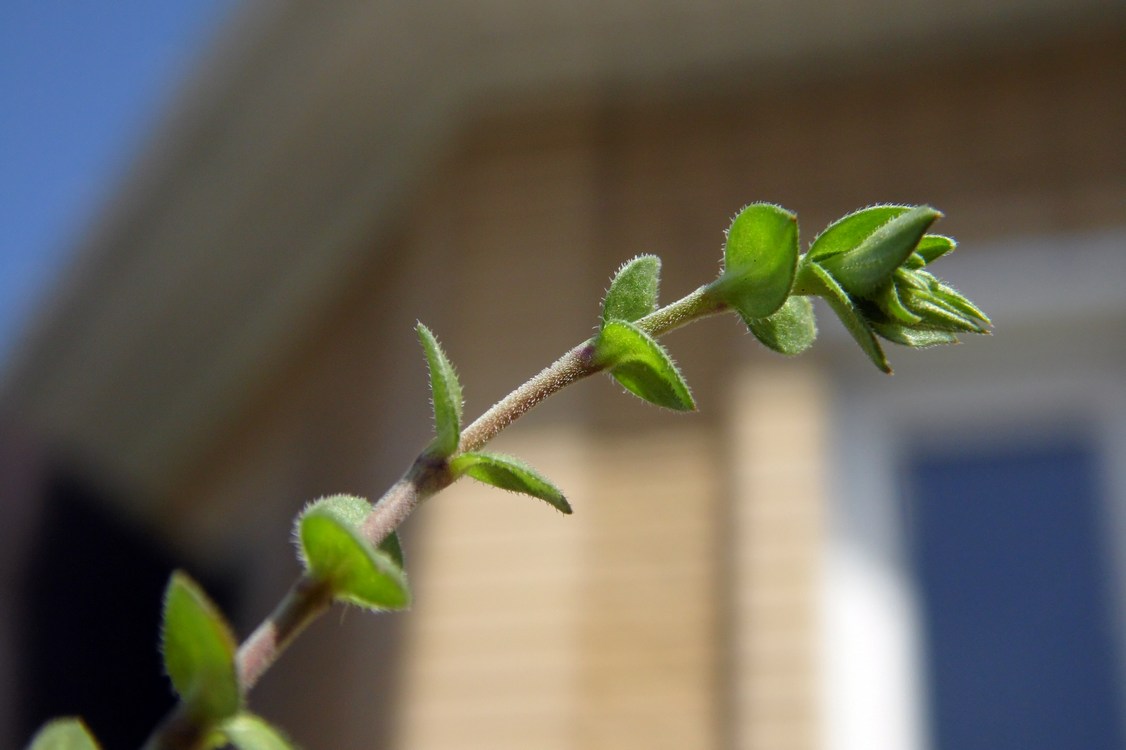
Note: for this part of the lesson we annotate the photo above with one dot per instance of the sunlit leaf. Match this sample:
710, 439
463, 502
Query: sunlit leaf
350, 509
958, 302
791, 330
633, 292
934, 246
63, 734
759, 260
509, 474
199, 651
642, 366
850, 230
913, 337
937, 313
334, 552
864, 268
445, 392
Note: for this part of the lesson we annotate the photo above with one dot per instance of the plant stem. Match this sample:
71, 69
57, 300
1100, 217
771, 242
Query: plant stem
304, 601
575, 365
308, 598
698, 304
572, 366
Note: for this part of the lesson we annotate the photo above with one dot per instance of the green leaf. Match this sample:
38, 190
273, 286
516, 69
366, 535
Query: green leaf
937, 313
917, 338
853, 321
869, 265
849, 231
199, 651
63, 734
934, 246
956, 301
791, 330
759, 260
350, 509
249, 732
642, 366
334, 552
445, 391
887, 296
509, 474
633, 292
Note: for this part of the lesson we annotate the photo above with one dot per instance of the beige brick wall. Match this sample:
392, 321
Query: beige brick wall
593, 631
778, 466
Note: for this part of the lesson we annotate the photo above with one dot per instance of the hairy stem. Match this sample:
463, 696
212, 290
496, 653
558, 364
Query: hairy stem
698, 304
304, 601
577, 364
308, 598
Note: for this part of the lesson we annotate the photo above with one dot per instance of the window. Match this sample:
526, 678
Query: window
1014, 591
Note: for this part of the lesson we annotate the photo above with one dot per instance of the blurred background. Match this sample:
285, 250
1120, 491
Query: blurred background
222, 220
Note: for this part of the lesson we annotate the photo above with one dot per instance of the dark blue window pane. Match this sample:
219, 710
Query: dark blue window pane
1012, 574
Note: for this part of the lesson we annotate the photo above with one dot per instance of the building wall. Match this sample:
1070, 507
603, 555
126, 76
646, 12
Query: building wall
631, 622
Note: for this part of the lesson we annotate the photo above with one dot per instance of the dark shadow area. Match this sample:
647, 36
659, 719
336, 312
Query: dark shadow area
91, 600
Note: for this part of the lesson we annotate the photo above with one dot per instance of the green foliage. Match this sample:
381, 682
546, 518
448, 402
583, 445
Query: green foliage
246, 731
63, 734
822, 283
790, 330
508, 474
642, 366
633, 291
445, 392
349, 509
870, 267
199, 652
335, 552
760, 259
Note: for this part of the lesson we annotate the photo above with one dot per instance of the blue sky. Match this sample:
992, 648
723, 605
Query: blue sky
82, 83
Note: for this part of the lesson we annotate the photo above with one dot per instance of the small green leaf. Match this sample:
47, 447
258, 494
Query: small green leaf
249, 732
937, 313
350, 509
633, 292
445, 391
642, 366
867, 266
199, 651
918, 338
849, 231
853, 322
63, 734
887, 296
956, 301
934, 246
791, 330
508, 474
334, 552
759, 260
913, 278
